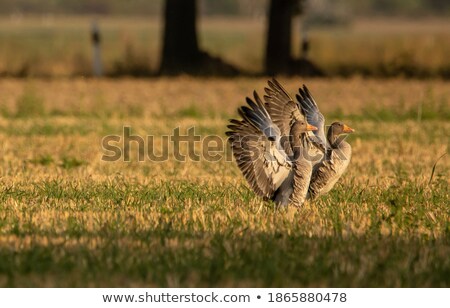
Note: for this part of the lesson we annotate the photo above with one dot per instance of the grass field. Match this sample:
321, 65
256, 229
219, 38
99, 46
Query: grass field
60, 46
69, 219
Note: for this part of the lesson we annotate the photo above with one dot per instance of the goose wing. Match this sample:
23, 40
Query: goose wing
312, 113
283, 111
256, 144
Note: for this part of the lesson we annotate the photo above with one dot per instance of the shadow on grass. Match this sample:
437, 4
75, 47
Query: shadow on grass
184, 234
165, 258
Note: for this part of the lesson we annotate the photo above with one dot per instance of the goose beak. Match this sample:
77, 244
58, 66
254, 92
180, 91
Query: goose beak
348, 129
310, 127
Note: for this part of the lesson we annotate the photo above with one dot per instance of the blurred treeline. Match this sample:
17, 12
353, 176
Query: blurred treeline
379, 38
408, 8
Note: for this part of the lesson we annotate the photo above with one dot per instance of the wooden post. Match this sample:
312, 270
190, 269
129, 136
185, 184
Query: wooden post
304, 47
96, 57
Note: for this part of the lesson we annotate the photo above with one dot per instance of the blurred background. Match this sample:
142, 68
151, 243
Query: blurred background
70, 218
381, 38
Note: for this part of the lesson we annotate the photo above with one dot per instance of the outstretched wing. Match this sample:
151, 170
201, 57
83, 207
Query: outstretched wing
255, 141
313, 116
282, 109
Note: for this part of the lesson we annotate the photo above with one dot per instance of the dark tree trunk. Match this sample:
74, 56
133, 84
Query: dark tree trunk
278, 49
181, 52
180, 44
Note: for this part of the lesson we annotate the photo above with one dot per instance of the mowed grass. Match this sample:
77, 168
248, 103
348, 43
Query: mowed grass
70, 219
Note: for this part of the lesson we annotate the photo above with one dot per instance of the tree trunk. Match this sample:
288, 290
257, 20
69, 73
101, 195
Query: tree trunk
180, 45
278, 49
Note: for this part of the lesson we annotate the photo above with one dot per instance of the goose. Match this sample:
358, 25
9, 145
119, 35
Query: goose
269, 145
336, 152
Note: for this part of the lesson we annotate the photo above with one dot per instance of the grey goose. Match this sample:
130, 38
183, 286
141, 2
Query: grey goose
270, 145
336, 151
281, 149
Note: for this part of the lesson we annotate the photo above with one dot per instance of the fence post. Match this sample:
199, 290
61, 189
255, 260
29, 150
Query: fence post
96, 57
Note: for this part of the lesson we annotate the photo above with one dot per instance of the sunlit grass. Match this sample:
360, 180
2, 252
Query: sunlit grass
67, 218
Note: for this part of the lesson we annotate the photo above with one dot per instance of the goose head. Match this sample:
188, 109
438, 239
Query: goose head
301, 127
298, 130
336, 129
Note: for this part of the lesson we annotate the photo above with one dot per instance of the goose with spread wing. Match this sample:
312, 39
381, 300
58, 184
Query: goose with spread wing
269, 145
336, 151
